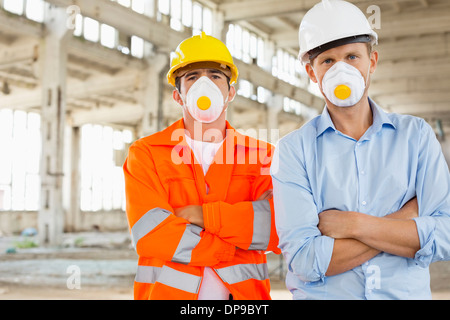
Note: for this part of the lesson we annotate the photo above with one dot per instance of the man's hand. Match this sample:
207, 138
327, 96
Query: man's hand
337, 224
341, 224
192, 213
395, 233
267, 195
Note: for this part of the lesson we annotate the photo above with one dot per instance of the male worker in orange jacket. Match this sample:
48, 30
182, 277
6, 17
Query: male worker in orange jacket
199, 201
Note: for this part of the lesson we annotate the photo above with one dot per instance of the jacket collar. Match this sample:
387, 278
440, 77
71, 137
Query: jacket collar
175, 135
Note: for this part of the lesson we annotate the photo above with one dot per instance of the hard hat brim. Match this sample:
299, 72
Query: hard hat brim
364, 38
179, 70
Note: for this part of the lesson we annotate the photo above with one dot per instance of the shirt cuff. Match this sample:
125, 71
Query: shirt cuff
211, 217
425, 228
311, 267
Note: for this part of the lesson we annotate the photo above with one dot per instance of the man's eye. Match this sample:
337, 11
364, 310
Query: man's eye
327, 61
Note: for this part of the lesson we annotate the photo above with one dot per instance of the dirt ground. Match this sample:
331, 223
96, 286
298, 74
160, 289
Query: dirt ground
105, 265
20, 292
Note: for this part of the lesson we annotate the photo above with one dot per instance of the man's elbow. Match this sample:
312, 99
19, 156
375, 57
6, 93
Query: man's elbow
306, 268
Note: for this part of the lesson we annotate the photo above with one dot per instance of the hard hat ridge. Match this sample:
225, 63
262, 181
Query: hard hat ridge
327, 4
201, 49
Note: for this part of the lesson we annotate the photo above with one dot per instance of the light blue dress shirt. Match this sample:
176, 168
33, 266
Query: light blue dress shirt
316, 168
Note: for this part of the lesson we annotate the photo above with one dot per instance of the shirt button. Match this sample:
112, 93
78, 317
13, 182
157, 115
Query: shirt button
363, 172
364, 203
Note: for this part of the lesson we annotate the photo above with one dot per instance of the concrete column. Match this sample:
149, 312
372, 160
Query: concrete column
269, 53
218, 27
53, 62
274, 106
73, 222
151, 94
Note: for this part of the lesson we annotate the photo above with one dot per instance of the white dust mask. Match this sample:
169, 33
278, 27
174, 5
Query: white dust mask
204, 100
343, 84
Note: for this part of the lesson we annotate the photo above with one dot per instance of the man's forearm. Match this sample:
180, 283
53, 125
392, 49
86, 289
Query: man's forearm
348, 254
394, 236
194, 213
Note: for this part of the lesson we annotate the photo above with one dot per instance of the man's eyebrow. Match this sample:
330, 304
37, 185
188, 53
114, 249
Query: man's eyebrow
326, 56
191, 73
215, 71
353, 53
196, 72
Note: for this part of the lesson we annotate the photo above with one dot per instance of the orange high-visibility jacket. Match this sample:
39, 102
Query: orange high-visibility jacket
161, 174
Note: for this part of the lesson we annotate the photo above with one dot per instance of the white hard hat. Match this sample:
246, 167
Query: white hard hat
330, 21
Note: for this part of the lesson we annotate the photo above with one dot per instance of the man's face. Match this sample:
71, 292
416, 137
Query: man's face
216, 76
354, 54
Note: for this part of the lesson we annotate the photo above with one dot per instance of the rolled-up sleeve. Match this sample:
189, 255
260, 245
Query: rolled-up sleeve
306, 251
433, 192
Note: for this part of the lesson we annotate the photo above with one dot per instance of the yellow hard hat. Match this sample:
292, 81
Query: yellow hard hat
201, 48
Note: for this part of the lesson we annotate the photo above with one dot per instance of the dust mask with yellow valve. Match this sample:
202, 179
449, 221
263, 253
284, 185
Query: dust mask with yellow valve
343, 84
205, 101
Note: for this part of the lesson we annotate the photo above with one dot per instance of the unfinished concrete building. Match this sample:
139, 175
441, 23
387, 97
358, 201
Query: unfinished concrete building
81, 80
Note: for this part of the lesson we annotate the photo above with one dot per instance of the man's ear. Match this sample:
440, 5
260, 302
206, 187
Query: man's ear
310, 72
373, 61
231, 93
177, 97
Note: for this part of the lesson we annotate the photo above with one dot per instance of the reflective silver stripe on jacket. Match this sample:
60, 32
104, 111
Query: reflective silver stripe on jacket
242, 272
169, 277
147, 223
261, 225
147, 274
189, 240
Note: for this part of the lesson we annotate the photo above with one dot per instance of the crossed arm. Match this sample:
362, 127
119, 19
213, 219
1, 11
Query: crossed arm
359, 237
334, 242
194, 213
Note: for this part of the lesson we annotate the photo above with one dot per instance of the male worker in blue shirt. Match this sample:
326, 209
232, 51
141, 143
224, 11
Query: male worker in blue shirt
343, 183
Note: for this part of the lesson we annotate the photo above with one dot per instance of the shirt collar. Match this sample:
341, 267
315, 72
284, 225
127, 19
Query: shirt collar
380, 118
324, 122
